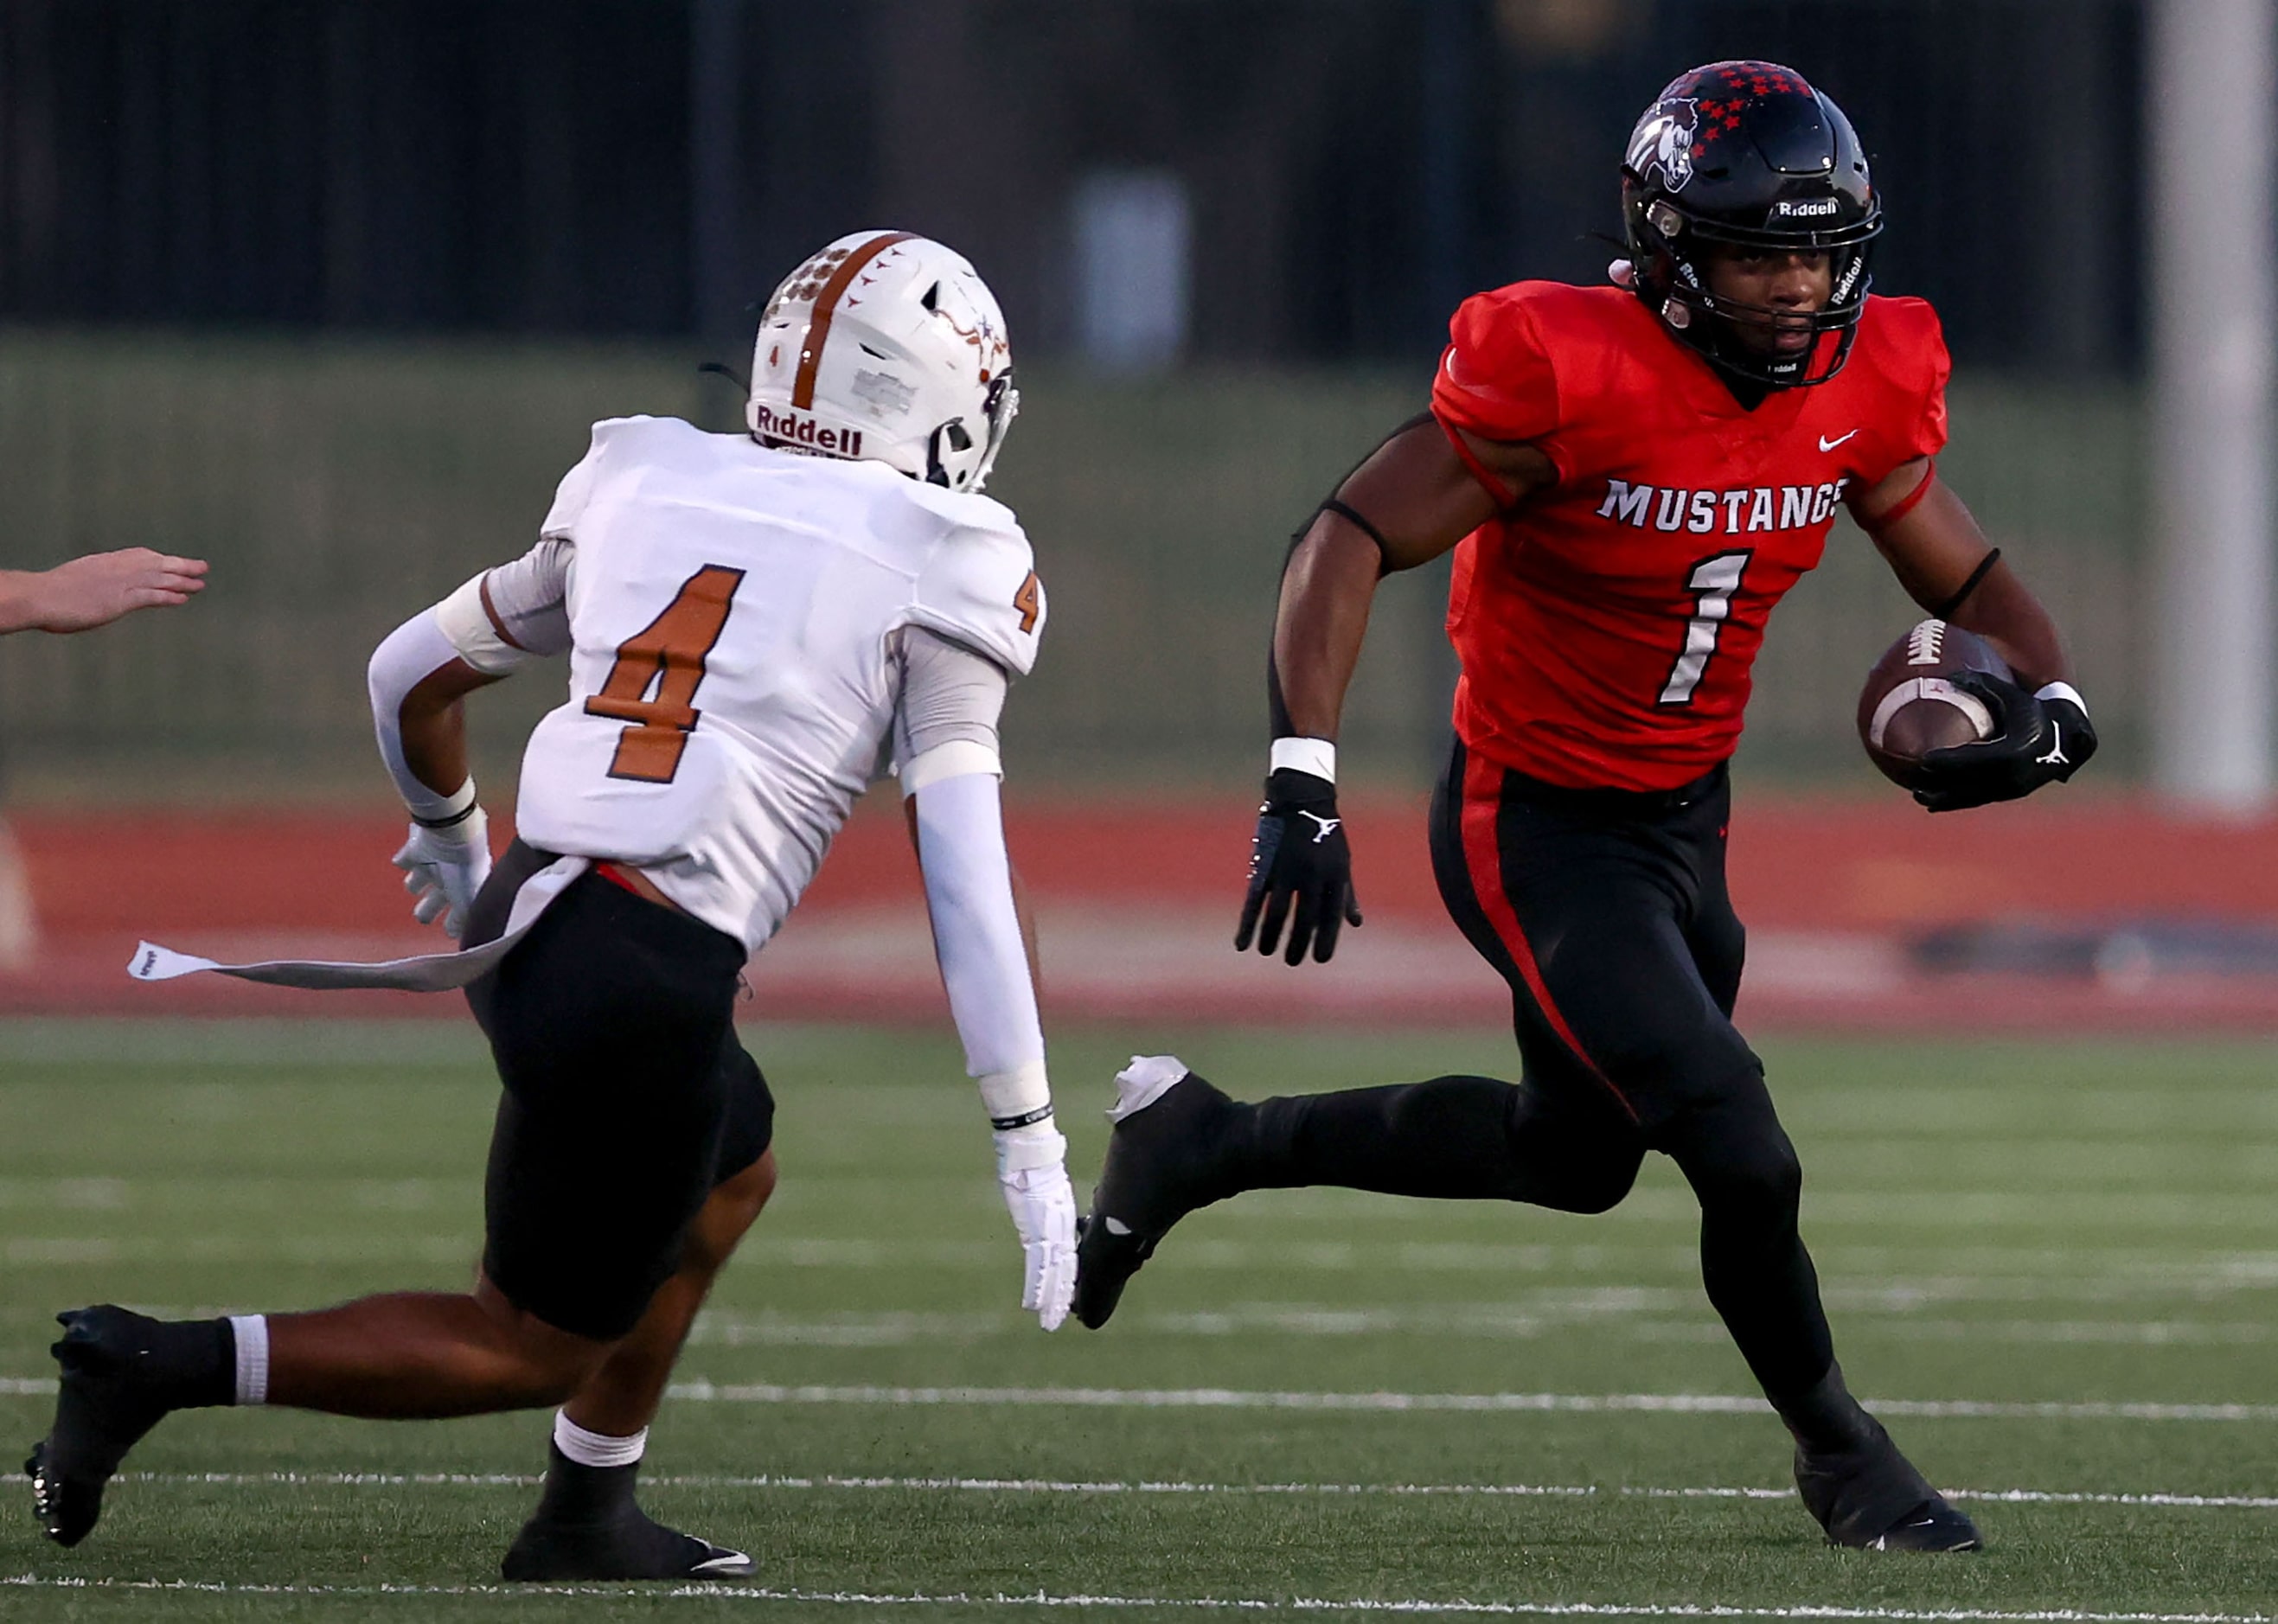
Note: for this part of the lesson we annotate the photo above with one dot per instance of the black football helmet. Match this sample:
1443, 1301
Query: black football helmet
1746, 153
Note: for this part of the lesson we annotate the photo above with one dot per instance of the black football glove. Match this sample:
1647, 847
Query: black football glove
1298, 856
2035, 741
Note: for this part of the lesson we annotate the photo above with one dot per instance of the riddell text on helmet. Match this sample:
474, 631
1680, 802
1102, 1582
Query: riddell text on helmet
806, 432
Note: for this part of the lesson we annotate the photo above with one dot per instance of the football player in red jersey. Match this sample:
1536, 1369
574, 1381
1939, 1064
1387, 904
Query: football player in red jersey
1631, 477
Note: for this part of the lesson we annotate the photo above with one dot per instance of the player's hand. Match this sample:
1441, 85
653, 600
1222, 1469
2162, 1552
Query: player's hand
444, 868
96, 590
1300, 870
1032, 1171
2036, 741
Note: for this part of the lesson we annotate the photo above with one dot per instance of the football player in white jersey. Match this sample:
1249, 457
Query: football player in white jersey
756, 625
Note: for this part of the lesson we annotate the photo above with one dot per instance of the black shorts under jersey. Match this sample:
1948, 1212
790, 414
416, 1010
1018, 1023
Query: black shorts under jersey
627, 1100
1606, 911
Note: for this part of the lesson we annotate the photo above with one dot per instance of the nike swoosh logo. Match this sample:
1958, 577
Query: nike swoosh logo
1829, 444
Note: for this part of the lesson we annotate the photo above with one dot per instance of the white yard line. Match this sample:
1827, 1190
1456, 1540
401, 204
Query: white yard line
1855, 1277
1079, 1486
1042, 1599
1236, 1398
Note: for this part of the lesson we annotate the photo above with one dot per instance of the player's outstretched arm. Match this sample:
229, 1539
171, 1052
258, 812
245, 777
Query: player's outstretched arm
1414, 498
946, 743
96, 590
1934, 546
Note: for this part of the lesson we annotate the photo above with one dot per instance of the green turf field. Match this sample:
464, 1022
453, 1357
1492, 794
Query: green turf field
2063, 1260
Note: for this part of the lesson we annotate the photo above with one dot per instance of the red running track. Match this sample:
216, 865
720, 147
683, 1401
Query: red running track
1137, 905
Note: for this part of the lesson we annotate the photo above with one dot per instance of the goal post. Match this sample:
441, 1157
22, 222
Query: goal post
2210, 101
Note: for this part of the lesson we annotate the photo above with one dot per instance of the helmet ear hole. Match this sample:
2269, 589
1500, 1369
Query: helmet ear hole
959, 439
931, 298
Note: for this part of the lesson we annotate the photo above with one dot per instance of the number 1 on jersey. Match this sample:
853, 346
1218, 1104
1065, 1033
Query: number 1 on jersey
1713, 582
667, 654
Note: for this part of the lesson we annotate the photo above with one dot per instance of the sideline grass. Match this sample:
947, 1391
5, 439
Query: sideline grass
2013, 1224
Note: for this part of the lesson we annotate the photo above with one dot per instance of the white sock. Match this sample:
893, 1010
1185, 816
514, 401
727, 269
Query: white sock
596, 1448
251, 1333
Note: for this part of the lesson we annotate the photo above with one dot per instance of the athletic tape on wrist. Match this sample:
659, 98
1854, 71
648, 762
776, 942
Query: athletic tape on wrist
1318, 757
2062, 690
1025, 1149
1013, 1096
457, 808
250, 1333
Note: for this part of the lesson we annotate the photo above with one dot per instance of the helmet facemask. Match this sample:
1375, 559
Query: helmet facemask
960, 459
1666, 245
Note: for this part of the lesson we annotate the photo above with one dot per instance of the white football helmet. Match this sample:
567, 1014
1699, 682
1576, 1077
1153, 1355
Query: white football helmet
886, 346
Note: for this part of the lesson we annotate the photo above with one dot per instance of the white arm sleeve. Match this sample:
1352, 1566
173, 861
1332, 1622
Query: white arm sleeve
406, 657
507, 617
976, 937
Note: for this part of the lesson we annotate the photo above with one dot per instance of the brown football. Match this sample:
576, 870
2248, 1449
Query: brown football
1910, 705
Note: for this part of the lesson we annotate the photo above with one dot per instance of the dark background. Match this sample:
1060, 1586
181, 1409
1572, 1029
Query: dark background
649, 167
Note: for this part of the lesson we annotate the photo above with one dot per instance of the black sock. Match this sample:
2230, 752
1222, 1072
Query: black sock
1825, 1418
1454, 1138
1443, 1137
577, 1493
190, 1364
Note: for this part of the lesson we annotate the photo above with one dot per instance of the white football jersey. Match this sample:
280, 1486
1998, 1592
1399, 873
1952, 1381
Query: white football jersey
731, 613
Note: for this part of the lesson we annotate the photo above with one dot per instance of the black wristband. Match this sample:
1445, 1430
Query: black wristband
451, 822
1005, 1125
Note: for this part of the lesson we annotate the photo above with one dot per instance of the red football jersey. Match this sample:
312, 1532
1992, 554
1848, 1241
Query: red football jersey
1607, 625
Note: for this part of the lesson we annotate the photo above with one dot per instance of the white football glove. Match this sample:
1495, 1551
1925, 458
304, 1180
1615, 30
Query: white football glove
444, 868
1032, 1170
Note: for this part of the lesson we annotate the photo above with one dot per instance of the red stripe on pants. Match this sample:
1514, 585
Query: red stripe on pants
1483, 861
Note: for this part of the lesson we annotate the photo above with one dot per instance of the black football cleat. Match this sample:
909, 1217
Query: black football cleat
108, 1397
1164, 1159
628, 1544
1871, 1498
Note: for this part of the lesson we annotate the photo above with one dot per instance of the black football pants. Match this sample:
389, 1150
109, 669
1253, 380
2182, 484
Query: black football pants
626, 1100
1607, 913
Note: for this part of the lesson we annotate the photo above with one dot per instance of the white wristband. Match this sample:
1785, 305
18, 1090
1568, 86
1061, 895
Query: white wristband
1318, 757
2062, 690
1017, 1095
452, 810
1021, 1151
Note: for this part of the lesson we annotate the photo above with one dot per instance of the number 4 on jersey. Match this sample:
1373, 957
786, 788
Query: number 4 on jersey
667, 655
1713, 582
